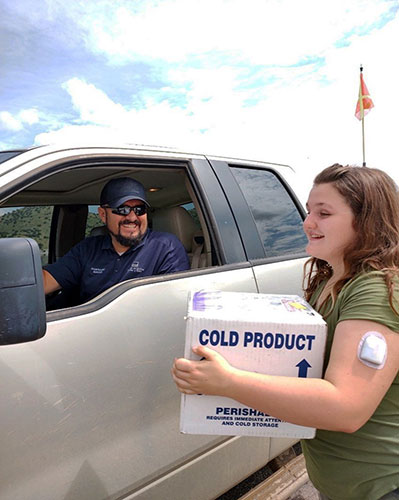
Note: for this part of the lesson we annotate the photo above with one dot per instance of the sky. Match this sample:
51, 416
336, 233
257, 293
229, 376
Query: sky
270, 80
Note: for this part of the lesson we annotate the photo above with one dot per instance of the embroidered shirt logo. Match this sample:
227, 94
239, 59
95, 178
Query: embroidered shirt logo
135, 268
97, 270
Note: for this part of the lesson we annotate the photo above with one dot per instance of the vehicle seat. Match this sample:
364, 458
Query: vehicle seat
178, 221
70, 230
99, 231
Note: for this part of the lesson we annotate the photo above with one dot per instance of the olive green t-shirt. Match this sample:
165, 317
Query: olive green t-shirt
363, 465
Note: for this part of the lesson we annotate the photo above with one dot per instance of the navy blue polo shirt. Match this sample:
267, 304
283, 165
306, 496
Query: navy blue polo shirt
93, 264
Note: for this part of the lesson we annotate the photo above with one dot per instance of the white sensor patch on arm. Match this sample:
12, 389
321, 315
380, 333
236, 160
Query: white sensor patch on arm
372, 350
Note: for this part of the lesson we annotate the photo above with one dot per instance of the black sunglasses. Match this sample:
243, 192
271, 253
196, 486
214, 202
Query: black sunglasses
125, 210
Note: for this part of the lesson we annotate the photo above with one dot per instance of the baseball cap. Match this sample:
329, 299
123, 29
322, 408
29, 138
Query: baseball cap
122, 189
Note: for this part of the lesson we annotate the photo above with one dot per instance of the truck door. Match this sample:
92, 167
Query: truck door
90, 410
269, 218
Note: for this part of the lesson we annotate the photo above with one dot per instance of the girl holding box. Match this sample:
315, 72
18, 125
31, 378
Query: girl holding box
352, 279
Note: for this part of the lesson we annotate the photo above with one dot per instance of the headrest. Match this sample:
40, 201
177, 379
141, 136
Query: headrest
178, 221
99, 231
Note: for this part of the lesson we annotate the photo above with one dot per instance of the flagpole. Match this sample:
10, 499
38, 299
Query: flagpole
364, 149
362, 115
363, 106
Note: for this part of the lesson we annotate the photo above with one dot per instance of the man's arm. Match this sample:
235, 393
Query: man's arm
50, 284
175, 257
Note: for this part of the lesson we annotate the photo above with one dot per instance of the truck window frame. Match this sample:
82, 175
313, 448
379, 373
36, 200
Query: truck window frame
209, 199
245, 221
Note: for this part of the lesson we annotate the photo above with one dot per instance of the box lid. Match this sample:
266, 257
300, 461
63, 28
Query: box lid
215, 304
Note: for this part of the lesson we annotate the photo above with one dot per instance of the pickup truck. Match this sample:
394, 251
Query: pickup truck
88, 407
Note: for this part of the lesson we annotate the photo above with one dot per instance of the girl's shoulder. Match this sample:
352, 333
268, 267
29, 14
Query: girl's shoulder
369, 279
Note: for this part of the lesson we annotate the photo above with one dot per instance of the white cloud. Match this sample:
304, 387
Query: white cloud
76, 134
102, 119
303, 115
93, 104
17, 122
29, 116
279, 32
9, 121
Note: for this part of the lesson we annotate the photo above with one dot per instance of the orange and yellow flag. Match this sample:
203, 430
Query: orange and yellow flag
364, 103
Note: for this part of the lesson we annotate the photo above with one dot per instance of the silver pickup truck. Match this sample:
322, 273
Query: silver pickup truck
88, 407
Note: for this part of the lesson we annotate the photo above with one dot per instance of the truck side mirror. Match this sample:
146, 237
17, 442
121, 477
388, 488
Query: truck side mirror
22, 300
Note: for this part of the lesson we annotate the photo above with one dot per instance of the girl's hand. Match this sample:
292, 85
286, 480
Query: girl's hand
212, 375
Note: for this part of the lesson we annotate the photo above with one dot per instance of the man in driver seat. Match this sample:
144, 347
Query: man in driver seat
129, 250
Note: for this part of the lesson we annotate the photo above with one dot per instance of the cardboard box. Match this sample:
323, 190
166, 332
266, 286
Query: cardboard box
273, 334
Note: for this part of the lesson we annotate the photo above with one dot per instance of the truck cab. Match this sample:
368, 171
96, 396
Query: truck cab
89, 409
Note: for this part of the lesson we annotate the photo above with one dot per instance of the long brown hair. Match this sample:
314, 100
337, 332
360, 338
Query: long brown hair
374, 200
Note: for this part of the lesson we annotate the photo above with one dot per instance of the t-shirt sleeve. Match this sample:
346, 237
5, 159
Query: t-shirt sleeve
367, 298
67, 270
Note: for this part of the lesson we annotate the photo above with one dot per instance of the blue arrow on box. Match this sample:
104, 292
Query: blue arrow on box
303, 368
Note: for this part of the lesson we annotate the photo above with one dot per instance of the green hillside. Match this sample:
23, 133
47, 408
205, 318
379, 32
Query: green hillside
35, 222
31, 222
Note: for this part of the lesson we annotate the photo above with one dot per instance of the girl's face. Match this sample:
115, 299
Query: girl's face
329, 225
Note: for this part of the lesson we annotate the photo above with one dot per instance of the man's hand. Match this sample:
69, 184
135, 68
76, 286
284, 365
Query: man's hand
49, 283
